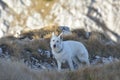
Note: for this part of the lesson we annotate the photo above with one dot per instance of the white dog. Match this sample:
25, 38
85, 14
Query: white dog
70, 51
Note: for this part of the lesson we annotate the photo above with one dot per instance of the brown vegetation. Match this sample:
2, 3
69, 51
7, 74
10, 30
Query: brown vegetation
96, 45
18, 71
39, 39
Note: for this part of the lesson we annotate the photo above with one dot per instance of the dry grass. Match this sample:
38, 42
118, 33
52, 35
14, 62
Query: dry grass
99, 72
12, 70
96, 44
95, 47
44, 32
26, 48
15, 47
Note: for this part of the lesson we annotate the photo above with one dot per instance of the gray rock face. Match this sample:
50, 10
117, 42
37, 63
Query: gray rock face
18, 6
92, 15
6, 18
34, 20
100, 15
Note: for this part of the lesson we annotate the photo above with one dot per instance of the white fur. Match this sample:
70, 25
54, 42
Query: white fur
70, 51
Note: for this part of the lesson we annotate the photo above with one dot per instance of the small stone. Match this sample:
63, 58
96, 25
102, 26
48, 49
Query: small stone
97, 57
1, 51
47, 54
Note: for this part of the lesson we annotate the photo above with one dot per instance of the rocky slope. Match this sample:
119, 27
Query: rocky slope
100, 15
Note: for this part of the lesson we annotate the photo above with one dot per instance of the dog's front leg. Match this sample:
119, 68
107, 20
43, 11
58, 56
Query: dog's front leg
71, 64
59, 65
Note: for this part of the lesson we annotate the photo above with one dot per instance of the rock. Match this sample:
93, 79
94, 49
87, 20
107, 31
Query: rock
26, 2
90, 15
18, 6
1, 33
15, 31
48, 54
87, 35
40, 51
65, 30
34, 21
4, 26
97, 57
103, 60
1, 51
97, 60
110, 59
106, 60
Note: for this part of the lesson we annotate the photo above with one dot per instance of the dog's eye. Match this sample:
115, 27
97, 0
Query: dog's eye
57, 41
53, 40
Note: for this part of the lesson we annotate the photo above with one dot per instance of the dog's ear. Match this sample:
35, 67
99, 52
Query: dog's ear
53, 34
61, 35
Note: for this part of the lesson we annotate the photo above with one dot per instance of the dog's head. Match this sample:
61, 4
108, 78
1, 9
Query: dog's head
56, 41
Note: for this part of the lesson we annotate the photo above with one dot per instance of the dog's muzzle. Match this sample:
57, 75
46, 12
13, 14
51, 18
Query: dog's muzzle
54, 46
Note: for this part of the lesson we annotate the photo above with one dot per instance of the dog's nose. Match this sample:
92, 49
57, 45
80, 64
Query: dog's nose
54, 45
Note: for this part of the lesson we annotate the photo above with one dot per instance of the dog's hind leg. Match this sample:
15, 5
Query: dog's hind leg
70, 62
87, 62
77, 61
83, 59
